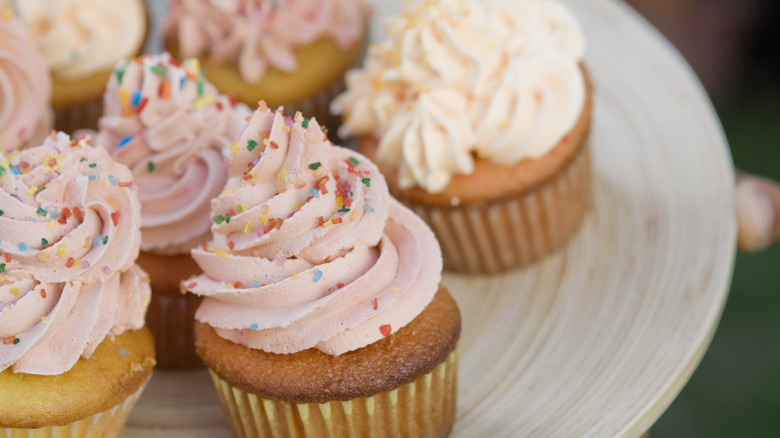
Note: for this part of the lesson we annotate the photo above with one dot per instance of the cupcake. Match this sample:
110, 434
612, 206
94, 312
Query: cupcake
322, 312
478, 114
25, 86
172, 129
82, 40
291, 53
75, 355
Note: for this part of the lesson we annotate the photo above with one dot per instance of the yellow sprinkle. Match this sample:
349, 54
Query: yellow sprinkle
78, 262
87, 242
298, 116
61, 250
195, 64
242, 207
340, 201
328, 224
286, 128
7, 14
44, 319
6, 163
32, 190
354, 215
229, 286
234, 148
220, 252
42, 257
123, 97
504, 124
4, 279
298, 205
14, 291
265, 208
395, 289
146, 301
377, 83
264, 219
248, 228
295, 274
266, 141
254, 175
203, 101
52, 224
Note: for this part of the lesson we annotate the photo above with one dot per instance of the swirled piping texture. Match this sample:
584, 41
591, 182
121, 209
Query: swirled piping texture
456, 79
167, 123
309, 250
69, 236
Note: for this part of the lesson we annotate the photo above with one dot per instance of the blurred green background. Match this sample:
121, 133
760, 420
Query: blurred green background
734, 46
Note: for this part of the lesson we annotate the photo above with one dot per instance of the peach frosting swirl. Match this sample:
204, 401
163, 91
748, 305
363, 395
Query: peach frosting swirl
82, 37
25, 86
257, 35
172, 128
455, 79
69, 236
309, 249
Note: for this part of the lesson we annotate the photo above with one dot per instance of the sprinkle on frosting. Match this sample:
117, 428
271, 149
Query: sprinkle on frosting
298, 282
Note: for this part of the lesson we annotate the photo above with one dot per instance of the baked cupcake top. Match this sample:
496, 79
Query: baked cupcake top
309, 249
257, 35
459, 79
167, 123
69, 235
79, 38
25, 86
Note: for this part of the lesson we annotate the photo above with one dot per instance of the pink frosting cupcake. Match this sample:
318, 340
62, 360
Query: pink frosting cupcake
25, 87
172, 128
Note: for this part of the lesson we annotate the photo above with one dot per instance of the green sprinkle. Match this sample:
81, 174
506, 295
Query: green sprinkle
218, 220
83, 159
16, 341
367, 181
42, 212
159, 70
315, 166
120, 72
93, 165
44, 242
1, 212
2, 267
105, 240
305, 123
227, 218
251, 145
200, 87
354, 161
2, 171
150, 167
343, 209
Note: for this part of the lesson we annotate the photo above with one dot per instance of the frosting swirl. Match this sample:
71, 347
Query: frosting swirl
25, 86
257, 35
171, 127
69, 235
309, 250
82, 37
455, 79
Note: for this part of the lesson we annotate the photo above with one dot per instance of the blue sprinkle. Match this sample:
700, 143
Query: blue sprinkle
255, 283
182, 81
112, 179
253, 326
317, 275
125, 140
52, 213
368, 209
15, 170
96, 240
136, 97
92, 177
22, 246
314, 192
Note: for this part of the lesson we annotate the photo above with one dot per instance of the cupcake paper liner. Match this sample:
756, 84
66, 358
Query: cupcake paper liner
171, 319
424, 407
81, 116
516, 231
108, 423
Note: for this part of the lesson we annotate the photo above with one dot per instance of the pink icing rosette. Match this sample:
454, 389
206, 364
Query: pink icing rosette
309, 249
172, 128
25, 87
69, 235
260, 34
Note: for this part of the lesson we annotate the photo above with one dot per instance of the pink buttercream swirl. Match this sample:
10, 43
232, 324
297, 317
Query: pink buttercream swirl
172, 128
257, 35
25, 88
309, 249
69, 235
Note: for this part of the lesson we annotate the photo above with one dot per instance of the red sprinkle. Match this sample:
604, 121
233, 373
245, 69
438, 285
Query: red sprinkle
70, 262
43, 293
337, 220
232, 98
165, 90
340, 285
320, 221
247, 177
231, 245
237, 285
9, 340
376, 305
192, 285
274, 145
66, 212
219, 106
204, 246
141, 105
63, 220
115, 217
174, 62
77, 212
7, 257
125, 184
385, 329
